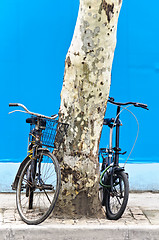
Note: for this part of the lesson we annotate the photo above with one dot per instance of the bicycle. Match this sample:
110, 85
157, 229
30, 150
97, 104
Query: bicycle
114, 184
38, 179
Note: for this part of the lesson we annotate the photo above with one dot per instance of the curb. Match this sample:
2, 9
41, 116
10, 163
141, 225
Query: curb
78, 232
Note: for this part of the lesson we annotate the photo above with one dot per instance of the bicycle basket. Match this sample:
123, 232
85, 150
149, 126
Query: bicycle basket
50, 131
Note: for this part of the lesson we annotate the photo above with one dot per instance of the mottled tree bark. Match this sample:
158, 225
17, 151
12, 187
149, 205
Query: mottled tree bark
84, 97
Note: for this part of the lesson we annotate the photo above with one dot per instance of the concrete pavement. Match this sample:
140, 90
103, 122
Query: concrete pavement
140, 221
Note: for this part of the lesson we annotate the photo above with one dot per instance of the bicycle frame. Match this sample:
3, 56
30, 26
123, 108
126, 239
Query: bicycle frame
116, 149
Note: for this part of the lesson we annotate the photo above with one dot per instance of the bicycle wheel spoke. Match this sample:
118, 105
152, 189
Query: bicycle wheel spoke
28, 182
46, 178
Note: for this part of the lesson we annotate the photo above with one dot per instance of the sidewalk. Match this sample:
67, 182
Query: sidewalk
140, 221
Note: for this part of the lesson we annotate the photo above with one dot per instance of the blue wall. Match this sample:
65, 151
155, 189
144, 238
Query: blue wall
34, 39
136, 75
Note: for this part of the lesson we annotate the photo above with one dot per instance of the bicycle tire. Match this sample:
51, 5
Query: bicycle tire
43, 189
116, 200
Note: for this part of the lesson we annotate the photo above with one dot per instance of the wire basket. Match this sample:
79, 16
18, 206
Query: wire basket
51, 129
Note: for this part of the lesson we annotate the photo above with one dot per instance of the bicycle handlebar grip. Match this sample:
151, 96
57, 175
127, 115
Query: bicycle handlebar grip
13, 104
142, 105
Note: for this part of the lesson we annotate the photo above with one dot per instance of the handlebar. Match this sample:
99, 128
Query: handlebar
142, 105
29, 112
13, 104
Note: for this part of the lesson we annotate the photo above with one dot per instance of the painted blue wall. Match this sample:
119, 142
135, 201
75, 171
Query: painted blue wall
34, 39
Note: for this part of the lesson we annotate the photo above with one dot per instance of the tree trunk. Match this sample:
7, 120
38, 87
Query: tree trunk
84, 97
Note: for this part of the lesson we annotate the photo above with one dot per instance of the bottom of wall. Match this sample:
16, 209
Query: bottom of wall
142, 177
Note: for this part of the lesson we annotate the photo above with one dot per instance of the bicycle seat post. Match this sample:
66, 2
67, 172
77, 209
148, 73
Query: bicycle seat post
37, 124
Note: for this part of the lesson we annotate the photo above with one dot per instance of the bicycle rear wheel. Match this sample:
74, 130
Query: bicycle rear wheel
116, 200
36, 199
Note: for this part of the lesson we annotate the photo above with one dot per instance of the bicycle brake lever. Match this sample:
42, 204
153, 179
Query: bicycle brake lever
54, 115
111, 99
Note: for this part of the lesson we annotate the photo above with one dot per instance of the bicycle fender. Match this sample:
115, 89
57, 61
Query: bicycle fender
119, 169
43, 150
23, 163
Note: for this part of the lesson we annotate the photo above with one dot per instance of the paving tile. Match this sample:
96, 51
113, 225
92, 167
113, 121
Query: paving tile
152, 216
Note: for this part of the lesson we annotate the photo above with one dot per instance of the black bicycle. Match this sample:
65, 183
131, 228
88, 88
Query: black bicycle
37, 182
114, 184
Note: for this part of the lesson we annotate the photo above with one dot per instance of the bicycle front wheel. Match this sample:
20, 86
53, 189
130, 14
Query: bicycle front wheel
36, 197
117, 198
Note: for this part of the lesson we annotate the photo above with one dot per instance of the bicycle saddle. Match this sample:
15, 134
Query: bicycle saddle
33, 121
108, 121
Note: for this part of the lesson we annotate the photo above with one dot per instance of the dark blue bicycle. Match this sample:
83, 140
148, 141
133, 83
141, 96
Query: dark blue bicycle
114, 184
